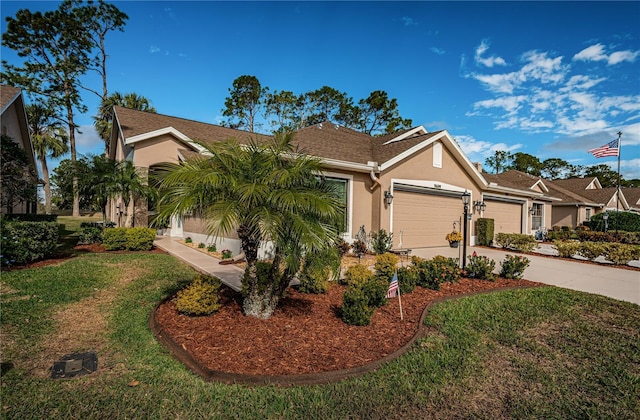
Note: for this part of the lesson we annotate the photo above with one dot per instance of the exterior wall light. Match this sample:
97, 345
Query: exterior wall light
388, 198
479, 206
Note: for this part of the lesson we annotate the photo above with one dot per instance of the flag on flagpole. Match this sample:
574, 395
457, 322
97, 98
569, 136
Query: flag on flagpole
393, 287
610, 149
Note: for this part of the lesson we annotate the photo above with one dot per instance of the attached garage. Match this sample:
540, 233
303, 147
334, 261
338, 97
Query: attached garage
424, 216
506, 213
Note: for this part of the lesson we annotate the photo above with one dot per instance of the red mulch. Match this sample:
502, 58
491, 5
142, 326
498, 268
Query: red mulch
305, 334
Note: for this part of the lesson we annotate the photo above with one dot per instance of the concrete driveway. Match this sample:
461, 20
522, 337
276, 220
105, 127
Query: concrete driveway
616, 283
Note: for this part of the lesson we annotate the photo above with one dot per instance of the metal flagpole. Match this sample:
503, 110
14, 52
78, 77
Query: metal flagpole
399, 299
618, 191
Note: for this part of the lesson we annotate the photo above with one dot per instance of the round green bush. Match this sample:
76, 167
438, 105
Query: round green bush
200, 297
355, 307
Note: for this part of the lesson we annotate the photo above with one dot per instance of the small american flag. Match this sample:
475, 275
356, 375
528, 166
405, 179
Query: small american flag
393, 287
609, 149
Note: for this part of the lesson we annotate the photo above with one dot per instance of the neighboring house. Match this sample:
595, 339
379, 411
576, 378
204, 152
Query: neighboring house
539, 207
410, 183
581, 199
632, 195
13, 121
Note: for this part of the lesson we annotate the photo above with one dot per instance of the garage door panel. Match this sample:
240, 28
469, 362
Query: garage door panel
424, 219
507, 216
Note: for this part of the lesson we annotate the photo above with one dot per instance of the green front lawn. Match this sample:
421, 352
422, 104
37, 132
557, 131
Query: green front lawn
544, 352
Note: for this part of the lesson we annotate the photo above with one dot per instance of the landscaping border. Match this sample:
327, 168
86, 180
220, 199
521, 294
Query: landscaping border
321, 378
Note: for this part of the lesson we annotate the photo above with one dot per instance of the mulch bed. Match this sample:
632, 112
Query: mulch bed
305, 335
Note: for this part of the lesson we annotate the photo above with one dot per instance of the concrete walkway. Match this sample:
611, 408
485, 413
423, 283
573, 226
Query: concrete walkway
230, 275
604, 280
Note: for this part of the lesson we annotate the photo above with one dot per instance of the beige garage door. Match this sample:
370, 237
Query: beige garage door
424, 219
507, 216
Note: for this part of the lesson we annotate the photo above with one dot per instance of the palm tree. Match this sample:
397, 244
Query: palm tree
129, 184
49, 140
102, 121
100, 182
265, 191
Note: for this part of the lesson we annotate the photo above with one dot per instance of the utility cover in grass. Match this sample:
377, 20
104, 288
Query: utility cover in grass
76, 364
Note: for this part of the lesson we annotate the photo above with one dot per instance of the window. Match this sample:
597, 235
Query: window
536, 216
588, 210
340, 186
437, 155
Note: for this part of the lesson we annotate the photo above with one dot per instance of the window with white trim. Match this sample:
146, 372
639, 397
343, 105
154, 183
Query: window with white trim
536, 216
341, 187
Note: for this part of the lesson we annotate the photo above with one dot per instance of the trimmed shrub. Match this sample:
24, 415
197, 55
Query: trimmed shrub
131, 239
431, 273
212, 248
90, 235
115, 239
623, 220
355, 307
513, 267
566, 249
201, 245
629, 238
621, 254
591, 250
188, 240
381, 241
480, 267
591, 236
484, 231
408, 278
26, 242
356, 275
386, 265
140, 238
516, 241
200, 297
376, 290
318, 269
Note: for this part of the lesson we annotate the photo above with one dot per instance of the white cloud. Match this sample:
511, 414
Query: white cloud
88, 140
438, 51
489, 61
154, 49
407, 21
597, 53
478, 150
509, 104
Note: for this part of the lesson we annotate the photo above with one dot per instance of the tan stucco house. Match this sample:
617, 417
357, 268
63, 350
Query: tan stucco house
582, 198
410, 182
13, 122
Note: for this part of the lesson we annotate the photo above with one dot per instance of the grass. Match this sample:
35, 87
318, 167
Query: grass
69, 229
542, 352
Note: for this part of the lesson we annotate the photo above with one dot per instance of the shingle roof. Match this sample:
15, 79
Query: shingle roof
632, 195
7, 93
325, 140
575, 184
600, 195
513, 179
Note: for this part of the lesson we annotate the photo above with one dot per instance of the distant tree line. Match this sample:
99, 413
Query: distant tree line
554, 168
284, 110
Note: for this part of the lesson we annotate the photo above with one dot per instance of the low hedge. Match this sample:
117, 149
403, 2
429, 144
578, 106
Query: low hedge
516, 241
484, 231
617, 253
130, 239
26, 242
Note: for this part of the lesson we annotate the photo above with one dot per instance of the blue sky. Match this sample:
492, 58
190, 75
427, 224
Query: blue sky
553, 79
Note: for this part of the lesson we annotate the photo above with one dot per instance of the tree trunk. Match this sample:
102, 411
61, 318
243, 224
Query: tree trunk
72, 144
47, 185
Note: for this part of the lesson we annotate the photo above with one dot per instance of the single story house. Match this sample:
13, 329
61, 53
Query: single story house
632, 195
410, 183
581, 199
13, 122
